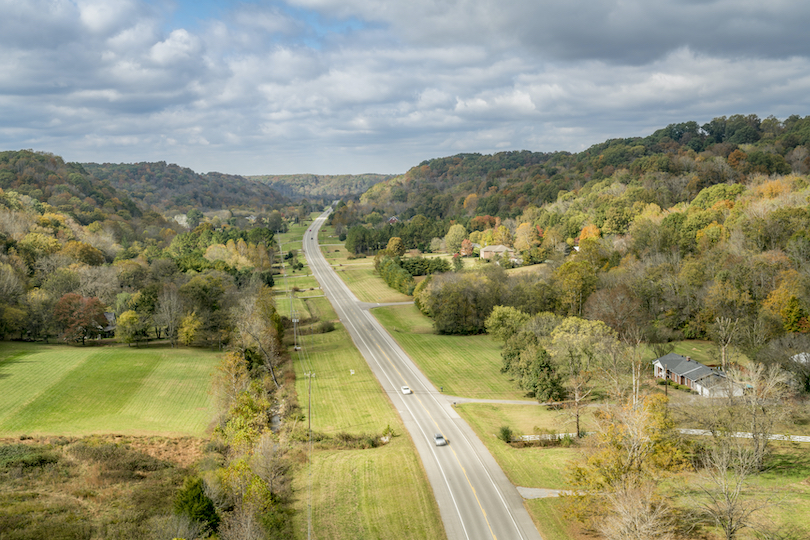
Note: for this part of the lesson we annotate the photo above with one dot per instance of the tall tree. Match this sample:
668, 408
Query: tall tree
79, 317
169, 311
454, 237
578, 347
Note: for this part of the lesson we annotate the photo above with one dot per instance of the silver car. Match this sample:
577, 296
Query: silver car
439, 439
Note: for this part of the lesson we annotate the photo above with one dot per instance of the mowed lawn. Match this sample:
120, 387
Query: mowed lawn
379, 493
466, 366
60, 390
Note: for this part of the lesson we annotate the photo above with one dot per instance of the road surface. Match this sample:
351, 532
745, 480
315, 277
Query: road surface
476, 500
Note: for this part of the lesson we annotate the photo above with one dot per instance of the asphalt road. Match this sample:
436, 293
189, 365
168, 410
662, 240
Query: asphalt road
475, 498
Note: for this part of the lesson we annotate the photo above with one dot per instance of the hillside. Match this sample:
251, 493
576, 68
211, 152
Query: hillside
329, 187
169, 188
672, 165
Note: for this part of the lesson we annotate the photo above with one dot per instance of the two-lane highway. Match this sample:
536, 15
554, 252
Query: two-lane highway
475, 498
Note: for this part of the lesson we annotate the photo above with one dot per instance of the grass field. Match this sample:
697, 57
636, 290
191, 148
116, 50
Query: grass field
60, 390
358, 493
467, 366
379, 493
366, 285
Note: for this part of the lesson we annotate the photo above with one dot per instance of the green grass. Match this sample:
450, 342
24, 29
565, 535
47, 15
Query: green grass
368, 286
61, 390
342, 401
358, 493
528, 467
549, 515
379, 493
467, 366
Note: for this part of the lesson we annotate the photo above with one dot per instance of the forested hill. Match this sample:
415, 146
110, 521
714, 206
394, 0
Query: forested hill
672, 165
298, 186
171, 188
67, 187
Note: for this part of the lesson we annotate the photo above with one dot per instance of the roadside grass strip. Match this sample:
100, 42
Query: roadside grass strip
549, 516
300, 307
379, 493
321, 308
368, 286
538, 467
466, 366
342, 401
78, 391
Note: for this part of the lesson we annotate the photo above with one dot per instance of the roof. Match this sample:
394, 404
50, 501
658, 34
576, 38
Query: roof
683, 366
496, 249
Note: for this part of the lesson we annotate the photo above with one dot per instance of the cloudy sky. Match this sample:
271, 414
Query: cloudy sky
354, 86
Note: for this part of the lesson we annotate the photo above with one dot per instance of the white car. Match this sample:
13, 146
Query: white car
439, 439
406, 390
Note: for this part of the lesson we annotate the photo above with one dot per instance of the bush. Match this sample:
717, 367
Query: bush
24, 455
505, 434
324, 327
193, 503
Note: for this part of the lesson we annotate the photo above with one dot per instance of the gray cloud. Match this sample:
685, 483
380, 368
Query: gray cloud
377, 86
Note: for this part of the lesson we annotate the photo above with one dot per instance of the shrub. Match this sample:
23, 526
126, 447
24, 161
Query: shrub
193, 503
24, 455
505, 434
325, 327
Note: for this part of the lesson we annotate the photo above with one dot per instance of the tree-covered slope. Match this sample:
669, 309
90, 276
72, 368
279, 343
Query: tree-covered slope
170, 188
312, 186
505, 184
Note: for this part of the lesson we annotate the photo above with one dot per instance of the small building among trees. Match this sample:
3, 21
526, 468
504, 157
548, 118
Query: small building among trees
490, 252
695, 376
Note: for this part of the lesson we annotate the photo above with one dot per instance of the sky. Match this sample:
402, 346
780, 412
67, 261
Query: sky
378, 86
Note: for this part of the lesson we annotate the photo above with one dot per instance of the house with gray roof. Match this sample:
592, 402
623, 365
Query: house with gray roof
702, 379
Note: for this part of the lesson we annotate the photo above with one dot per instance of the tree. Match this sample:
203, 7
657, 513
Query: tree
635, 445
129, 327
259, 327
79, 317
396, 247
193, 218
189, 328
169, 311
724, 332
526, 237
729, 464
576, 280
454, 237
763, 406
504, 322
578, 346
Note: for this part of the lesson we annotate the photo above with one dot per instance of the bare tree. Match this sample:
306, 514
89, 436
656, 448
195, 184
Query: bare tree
637, 513
763, 406
724, 331
729, 464
578, 348
169, 311
269, 463
254, 317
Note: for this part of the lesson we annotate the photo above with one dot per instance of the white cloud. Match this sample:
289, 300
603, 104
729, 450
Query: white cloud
362, 85
179, 46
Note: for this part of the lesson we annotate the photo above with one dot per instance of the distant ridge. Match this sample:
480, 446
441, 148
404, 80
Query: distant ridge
305, 186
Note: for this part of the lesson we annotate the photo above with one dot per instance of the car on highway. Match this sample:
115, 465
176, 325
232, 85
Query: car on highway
406, 390
439, 439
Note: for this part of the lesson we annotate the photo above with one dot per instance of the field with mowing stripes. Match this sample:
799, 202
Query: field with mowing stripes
60, 390
373, 493
466, 366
